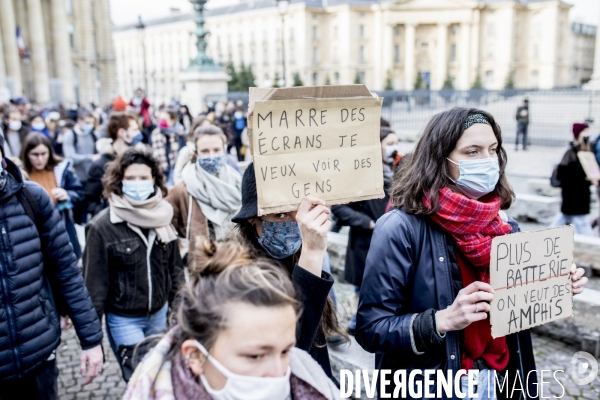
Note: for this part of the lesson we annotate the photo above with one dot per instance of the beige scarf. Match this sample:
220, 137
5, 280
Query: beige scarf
153, 213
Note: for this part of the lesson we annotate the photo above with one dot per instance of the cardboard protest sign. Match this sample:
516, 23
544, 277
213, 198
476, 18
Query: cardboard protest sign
589, 164
529, 272
323, 147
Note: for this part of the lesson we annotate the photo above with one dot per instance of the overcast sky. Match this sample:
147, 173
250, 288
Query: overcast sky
126, 11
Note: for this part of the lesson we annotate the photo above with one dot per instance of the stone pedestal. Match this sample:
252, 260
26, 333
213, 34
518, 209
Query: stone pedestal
199, 84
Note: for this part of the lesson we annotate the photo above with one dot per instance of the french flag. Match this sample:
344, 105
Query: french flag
20, 43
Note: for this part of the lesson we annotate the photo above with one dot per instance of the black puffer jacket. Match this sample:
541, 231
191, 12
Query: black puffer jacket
29, 324
116, 270
408, 273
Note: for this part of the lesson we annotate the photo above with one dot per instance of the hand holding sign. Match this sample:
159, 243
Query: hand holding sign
472, 304
313, 221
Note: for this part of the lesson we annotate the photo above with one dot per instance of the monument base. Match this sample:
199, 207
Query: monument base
593, 84
197, 85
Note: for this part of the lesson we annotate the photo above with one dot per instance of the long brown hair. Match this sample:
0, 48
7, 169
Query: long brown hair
329, 324
425, 171
222, 273
32, 141
113, 177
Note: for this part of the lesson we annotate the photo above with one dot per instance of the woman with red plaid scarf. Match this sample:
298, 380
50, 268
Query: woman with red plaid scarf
425, 295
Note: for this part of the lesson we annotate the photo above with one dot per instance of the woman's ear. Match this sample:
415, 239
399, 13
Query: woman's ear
194, 358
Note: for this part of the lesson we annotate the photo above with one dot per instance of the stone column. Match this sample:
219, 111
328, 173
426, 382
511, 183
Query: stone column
594, 83
11, 52
442, 56
61, 49
39, 61
463, 56
409, 56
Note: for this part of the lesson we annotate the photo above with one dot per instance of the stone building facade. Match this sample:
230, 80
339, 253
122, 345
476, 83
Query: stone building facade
375, 41
57, 50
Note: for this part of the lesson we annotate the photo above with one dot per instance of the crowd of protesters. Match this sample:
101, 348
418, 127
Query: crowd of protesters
219, 302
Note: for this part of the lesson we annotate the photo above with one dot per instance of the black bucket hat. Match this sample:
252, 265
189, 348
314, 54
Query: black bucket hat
249, 197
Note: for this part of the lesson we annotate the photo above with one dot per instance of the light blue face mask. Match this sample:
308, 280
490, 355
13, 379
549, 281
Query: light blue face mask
212, 165
138, 190
280, 239
477, 177
87, 128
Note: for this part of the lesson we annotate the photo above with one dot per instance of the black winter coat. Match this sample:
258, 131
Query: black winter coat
29, 324
574, 184
93, 186
116, 271
358, 216
409, 273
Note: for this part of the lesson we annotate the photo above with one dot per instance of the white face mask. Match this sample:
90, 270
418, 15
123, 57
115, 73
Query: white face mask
14, 125
247, 387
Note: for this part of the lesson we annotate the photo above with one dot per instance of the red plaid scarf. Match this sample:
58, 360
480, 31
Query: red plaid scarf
472, 223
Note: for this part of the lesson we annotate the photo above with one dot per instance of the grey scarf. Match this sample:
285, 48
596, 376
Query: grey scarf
219, 197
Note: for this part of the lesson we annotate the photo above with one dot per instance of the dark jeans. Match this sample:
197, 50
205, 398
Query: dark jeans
40, 384
522, 130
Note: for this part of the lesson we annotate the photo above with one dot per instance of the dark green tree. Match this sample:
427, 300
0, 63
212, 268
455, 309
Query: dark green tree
275, 81
297, 80
327, 80
419, 82
477, 84
234, 82
510, 81
389, 81
246, 78
448, 83
357, 78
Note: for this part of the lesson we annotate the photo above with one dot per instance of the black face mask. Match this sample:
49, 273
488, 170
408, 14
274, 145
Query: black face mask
586, 139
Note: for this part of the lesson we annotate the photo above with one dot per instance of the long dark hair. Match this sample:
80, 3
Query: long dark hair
113, 177
32, 141
425, 171
246, 232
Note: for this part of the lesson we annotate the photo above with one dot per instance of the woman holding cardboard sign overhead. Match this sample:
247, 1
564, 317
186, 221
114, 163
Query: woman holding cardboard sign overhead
298, 241
425, 294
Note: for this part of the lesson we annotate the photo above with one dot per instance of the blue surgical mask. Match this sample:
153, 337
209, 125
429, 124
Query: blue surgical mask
136, 139
138, 190
280, 239
477, 177
212, 165
87, 128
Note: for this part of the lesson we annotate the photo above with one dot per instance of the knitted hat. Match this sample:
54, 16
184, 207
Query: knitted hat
578, 128
119, 104
249, 197
384, 132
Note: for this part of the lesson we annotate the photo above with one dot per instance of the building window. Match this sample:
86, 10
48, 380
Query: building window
534, 79
361, 53
453, 52
491, 31
315, 16
335, 31
396, 53
490, 53
315, 55
397, 31
315, 79
265, 56
335, 54
336, 78
361, 31
535, 51
292, 55
362, 14
315, 33
278, 56
361, 77
252, 58
267, 81
453, 30
69, 6
489, 78
71, 32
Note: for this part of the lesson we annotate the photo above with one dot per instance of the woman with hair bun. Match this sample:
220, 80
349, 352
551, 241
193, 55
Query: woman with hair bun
236, 336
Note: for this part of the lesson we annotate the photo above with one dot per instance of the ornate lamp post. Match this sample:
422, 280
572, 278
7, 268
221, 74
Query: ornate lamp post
140, 26
202, 62
283, 5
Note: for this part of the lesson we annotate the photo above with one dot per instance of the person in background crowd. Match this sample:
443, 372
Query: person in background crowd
79, 144
51, 120
424, 299
23, 105
238, 124
29, 320
165, 142
522, 118
37, 124
56, 176
64, 125
361, 217
141, 106
185, 119
187, 152
575, 186
297, 240
15, 130
223, 119
210, 192
235, 338
131, 262
123, 133
119, 104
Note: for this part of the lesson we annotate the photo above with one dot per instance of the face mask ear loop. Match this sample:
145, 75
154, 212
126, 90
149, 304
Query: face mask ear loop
213, 360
